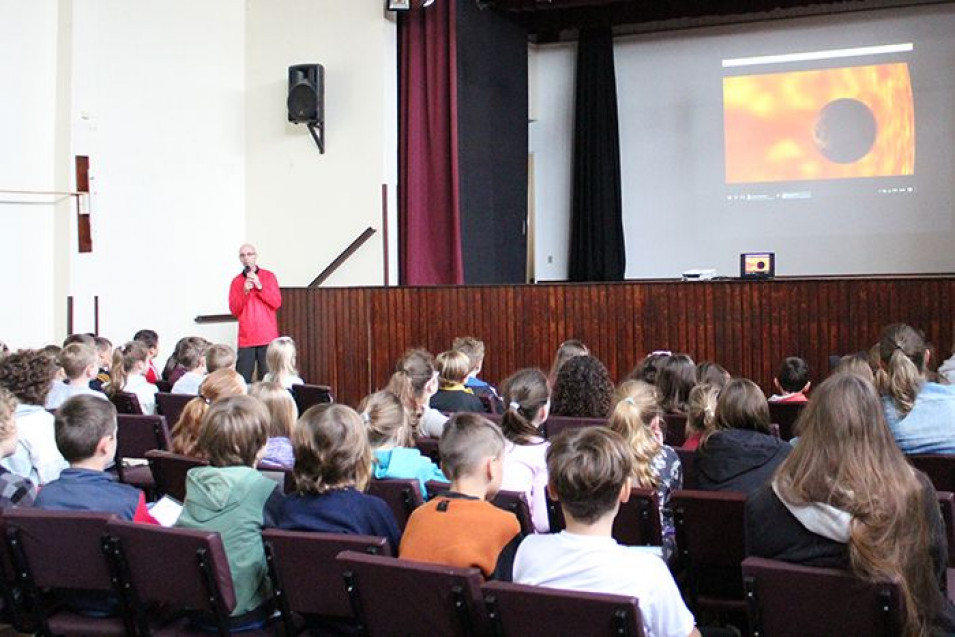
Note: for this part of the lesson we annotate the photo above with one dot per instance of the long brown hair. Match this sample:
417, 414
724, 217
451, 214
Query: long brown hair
124, 360
331, 450
524, 392
902, 351
217, 385
847, 458
415, 369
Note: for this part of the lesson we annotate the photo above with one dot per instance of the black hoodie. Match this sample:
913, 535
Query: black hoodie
738, 460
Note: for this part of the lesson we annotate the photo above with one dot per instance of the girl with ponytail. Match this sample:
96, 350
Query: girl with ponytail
526, 406
127, 374
414, 382
919, 413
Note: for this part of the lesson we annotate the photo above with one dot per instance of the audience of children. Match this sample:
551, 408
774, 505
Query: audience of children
218, 385
590, 470
127, 374
219, 356
655, 466
740, 454
461, 527
80, 363
14, 490
452, 396
473, 348
527, 397
847, 498
280, 357
234, 499
567, 350
150, 339
919, 413
26, 374
676, 378
192, 358
332, 469
583, 389
282, 415
86, 438
792, 382
701, 416
392, 441
414, 382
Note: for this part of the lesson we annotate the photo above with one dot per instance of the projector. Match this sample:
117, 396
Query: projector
705, 274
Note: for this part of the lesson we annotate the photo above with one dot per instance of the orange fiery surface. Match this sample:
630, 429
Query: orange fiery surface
769, 122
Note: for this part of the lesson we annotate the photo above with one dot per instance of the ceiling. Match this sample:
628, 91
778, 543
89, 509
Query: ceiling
556, 20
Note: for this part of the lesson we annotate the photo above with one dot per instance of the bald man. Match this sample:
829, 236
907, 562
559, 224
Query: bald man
254, 297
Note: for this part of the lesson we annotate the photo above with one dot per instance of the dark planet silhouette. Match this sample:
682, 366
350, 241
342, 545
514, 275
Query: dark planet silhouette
845, 130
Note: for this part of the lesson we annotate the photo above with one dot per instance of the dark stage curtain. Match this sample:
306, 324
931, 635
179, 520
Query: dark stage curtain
429, 217
597, 251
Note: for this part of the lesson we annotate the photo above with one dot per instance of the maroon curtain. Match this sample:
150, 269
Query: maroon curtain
429, 218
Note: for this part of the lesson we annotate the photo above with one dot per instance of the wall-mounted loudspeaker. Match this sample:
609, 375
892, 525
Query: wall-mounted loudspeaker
306, 93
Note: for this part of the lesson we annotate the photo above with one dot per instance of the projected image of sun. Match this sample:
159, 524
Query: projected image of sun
826, 124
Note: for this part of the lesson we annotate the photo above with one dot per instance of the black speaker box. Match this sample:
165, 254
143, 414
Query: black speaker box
306, 93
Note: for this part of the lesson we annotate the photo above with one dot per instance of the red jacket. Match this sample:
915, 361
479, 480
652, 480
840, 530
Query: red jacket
258, 324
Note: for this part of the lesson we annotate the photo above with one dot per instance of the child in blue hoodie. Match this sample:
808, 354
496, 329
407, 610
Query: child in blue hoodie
230, 496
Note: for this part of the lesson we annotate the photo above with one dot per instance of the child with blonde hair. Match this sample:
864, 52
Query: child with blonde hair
701, 414
655, 465
452, 395
80, 363
281, 361
332, 469
127, 374
282, 415
219, 356
192, 357
221, 384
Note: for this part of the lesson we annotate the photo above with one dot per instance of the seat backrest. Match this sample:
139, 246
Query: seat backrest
306, 396
556, 424
169, 471
401, 496
785, 415
282, 476
516, 503
400, 597
946, 503
163, 385
138, 434
638, 520
940, 469
305, 574
675, 434
688, 463
60, 549
171, 406
126, 403
185, 568
789, 600
519, 609
429, 448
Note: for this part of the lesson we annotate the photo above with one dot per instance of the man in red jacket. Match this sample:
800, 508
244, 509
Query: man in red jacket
254, 297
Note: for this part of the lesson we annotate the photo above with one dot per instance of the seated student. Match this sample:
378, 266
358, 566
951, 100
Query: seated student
231, 497
392, 443
452, 395
219, 356
104, 352
14, 490
792, 381
590, 471
59, 392
127, 375
216, 386
701, 414
847, 498
280, 358
525, 465
282, 415
460, 527
150, 339
414, 382
332, 470
676, 378
86, 436
739, 454
919, 413
711, 373
566, 351
193, 359
80, 363
26, 374
172, 370
583, 389
473, 348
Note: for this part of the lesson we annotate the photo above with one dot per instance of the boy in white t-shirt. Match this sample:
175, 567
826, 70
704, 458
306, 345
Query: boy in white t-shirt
589, 474
193, 358
80, 363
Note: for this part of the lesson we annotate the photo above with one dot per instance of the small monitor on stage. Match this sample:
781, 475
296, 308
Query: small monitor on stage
757, 265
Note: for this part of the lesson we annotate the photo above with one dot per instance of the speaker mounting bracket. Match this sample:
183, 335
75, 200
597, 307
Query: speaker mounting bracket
317, 129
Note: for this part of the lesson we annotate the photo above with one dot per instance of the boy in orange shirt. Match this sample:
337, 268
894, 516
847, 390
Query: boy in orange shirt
460, 527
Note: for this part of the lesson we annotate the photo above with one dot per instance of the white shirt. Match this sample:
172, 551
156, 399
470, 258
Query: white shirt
36, 457
525, 470
597, 564
59, 392
188, 383
144, 390
86, 391
432, 423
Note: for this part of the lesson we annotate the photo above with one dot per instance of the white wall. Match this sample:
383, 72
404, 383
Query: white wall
303, 207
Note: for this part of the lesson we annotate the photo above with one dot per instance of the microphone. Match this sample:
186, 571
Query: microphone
246, 270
